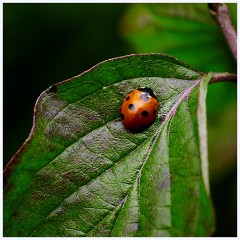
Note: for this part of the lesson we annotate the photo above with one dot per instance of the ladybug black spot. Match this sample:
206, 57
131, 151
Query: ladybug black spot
154, 112
131, 106
144, 113
127, 98
122, 116
144, 97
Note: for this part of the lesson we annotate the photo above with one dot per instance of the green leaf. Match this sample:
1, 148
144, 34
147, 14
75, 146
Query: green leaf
184, 30
80, 173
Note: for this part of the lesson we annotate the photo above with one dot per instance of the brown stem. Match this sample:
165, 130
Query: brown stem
220, 12
224, 77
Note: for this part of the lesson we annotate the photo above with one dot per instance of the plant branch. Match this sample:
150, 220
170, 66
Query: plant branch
220, 12
224, 77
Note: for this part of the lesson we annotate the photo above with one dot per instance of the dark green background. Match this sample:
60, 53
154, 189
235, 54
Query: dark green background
48, 43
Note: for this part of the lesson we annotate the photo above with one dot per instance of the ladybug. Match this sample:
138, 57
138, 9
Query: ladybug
139, 109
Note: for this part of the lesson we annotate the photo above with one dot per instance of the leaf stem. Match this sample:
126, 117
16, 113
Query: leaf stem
223, 77
221, 13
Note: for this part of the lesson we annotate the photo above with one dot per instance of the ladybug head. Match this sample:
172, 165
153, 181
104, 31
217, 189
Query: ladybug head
148, 91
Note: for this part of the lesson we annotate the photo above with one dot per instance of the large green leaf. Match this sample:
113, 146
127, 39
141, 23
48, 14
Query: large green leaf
80, 173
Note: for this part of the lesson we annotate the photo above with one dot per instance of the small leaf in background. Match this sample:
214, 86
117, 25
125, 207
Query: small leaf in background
185, 30
80, 173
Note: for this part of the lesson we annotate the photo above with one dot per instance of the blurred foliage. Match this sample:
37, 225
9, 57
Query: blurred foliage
48, 43
186, 31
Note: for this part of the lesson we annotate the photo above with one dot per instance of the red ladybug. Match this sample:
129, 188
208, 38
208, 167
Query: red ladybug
139, 109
